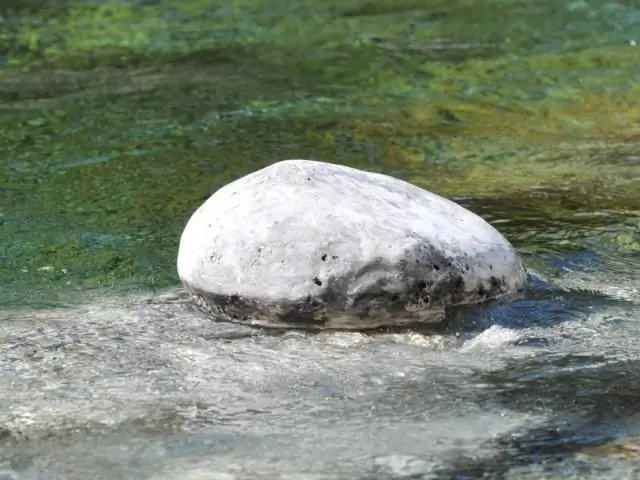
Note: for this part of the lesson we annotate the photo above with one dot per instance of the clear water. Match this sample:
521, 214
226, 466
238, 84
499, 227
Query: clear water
143, 388
527, 109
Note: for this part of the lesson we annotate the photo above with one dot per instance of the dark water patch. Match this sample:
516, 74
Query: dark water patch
586, 205
10, 195
523, 313
21, 86
593, 404
601, 389
537, 309
22, 7
541, 448
367, 8
559, 222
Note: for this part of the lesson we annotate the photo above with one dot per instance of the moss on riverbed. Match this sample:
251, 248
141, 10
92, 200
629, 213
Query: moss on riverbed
119, 118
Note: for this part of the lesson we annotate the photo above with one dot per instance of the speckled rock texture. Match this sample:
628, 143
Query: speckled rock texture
308, 244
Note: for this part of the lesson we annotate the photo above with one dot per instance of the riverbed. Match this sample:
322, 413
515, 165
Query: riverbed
119, 118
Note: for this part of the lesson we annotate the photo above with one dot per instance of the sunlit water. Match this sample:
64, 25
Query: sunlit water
139, 389
101, 168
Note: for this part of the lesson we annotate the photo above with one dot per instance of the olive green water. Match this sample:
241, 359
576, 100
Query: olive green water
118, 118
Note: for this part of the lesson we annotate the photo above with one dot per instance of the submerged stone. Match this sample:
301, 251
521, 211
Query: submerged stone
308, 244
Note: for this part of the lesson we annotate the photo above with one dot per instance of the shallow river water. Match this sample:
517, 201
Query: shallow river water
118, 118
145, 387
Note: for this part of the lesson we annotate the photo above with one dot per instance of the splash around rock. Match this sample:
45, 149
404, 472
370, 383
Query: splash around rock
308, 244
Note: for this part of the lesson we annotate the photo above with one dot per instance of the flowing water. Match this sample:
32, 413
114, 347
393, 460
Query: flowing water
146, 387
118, 118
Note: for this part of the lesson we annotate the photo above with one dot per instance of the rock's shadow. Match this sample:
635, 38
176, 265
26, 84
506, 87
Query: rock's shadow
540, 305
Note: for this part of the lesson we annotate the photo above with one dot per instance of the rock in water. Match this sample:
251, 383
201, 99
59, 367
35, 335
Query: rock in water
307, 244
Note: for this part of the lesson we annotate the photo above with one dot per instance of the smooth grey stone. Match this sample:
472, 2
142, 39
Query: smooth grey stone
307, 244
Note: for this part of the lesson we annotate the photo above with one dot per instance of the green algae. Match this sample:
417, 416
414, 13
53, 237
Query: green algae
119, 118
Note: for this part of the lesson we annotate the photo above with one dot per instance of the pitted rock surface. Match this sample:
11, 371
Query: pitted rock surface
308, 244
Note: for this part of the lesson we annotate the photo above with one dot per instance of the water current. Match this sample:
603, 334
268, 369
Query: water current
118, 118
144, 387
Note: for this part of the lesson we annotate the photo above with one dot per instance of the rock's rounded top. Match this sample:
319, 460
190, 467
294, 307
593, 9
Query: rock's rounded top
306, 242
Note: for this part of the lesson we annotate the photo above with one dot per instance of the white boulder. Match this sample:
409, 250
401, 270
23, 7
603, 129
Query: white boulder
307, 244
